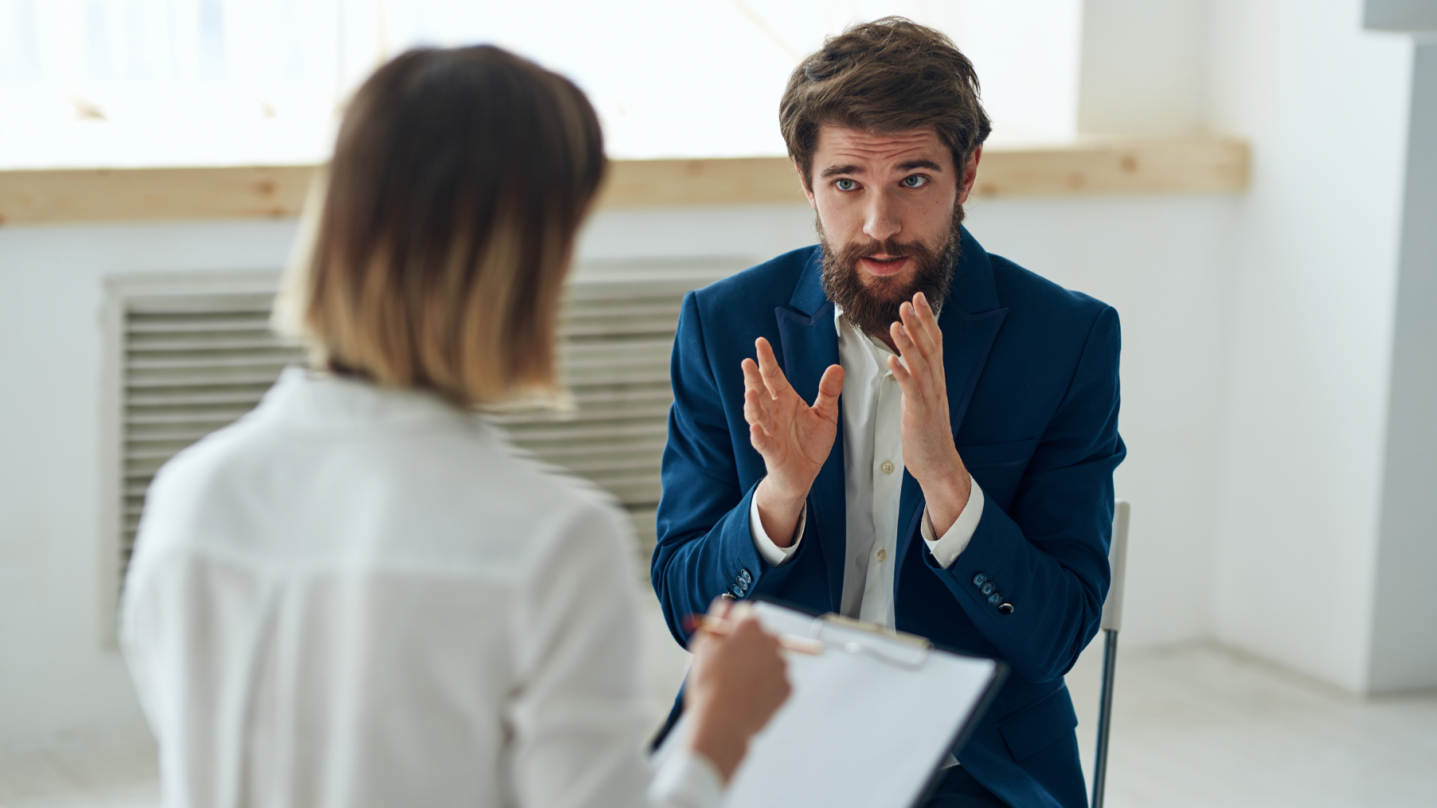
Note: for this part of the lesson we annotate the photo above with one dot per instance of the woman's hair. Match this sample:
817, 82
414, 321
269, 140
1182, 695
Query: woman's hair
889, 75
434, 254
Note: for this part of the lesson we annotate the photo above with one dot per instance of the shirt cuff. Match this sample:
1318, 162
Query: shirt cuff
686, 780
947, 549
775, 556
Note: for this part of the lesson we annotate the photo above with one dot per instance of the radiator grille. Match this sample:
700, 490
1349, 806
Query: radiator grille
194, 363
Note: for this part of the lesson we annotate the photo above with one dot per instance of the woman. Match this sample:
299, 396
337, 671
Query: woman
360, 593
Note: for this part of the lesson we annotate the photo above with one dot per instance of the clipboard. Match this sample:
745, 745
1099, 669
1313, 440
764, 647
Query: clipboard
869, 723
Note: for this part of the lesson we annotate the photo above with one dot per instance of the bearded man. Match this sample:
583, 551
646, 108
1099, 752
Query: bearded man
970, 499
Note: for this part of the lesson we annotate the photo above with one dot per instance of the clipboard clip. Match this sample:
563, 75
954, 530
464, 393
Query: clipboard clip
894, 647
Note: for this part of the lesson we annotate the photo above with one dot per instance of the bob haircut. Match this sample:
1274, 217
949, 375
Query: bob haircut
434, 253
889, 75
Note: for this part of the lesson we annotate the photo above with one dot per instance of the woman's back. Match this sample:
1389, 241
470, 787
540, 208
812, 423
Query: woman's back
356, 596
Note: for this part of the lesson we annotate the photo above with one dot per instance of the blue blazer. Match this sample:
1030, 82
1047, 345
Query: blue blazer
1032, 375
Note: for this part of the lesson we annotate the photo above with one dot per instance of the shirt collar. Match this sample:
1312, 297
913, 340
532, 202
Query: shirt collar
319, 399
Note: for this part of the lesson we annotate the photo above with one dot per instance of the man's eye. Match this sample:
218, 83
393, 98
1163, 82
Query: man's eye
915, 181
845, 184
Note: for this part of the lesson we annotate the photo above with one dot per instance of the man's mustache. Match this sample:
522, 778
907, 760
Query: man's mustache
887, 248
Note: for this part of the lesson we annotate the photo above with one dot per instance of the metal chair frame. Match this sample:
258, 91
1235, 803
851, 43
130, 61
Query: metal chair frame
1112, 623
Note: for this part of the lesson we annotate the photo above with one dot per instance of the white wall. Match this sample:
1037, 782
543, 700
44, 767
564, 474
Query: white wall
1258, 333
1323, 523
1314, 267
1163, 263
1404, 620
1143, 66
1159, 260
58, 683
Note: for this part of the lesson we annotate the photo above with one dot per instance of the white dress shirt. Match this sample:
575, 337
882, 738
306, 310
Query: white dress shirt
873, 481
366, 597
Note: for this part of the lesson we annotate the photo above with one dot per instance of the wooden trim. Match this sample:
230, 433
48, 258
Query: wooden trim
1172, 165
146, 194
1166, 165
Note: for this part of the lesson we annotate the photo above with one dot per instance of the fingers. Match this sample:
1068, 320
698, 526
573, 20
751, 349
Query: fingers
830, 387
747, 627
903, 341
928, 319
921, 328
912, 390
744, 626
757, 408
751, 378
757, 403
901, 375
720, 607
919, 342
914, 362
773, 377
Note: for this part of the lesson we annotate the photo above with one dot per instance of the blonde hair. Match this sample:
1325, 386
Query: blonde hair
433, 250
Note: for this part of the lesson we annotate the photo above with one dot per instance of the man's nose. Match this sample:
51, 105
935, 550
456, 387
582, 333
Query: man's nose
881, 221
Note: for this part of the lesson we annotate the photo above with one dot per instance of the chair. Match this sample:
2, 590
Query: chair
1112, 621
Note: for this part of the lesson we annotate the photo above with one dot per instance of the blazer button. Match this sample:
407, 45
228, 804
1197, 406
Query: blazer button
987, 588
745, 577
995, 599
1006, 608
980, 579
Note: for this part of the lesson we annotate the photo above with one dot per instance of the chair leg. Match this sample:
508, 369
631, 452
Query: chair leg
1105, 714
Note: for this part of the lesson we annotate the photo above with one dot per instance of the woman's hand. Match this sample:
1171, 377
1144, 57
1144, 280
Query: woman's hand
737, 682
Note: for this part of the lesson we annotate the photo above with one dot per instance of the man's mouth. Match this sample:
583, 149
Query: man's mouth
883, 265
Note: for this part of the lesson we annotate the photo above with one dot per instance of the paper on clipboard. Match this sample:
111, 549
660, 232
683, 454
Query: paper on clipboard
869, 720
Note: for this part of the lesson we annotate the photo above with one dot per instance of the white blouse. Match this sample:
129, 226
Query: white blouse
355, 597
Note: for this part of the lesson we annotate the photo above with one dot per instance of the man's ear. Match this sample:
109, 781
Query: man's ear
970, 175
803, 183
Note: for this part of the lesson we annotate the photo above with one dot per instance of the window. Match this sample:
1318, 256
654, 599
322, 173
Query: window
225, 82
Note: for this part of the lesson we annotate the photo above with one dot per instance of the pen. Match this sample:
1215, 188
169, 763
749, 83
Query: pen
788, 642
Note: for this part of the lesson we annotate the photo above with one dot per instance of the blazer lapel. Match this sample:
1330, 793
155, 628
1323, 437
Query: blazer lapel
810, 346
970, 320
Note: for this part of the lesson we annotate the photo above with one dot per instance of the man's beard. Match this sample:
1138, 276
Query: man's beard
873, 306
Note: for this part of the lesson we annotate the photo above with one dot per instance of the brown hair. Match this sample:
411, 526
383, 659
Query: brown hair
441, 243
890, 75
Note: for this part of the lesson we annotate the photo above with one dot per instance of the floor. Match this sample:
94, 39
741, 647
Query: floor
1195, 725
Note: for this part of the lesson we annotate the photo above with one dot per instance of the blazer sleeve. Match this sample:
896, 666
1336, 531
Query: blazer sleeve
1033, 578
705, 547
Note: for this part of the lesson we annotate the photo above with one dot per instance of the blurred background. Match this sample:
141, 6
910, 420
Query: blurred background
1251, 183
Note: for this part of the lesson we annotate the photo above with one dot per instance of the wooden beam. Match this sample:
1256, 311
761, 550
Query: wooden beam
1196, 164
670, 183
136, 194
1171, 165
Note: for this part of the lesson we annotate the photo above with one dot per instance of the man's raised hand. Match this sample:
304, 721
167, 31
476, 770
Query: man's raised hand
926, 430
793, 438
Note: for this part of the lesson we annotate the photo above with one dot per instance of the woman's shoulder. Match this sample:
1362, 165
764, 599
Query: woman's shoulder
458, 496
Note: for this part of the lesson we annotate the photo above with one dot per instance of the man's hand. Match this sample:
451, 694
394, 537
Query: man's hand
926, 431
793, 438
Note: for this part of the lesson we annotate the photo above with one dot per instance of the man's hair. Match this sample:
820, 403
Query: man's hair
441, 243
890, 75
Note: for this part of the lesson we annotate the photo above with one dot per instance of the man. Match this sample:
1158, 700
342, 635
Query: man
970, 498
